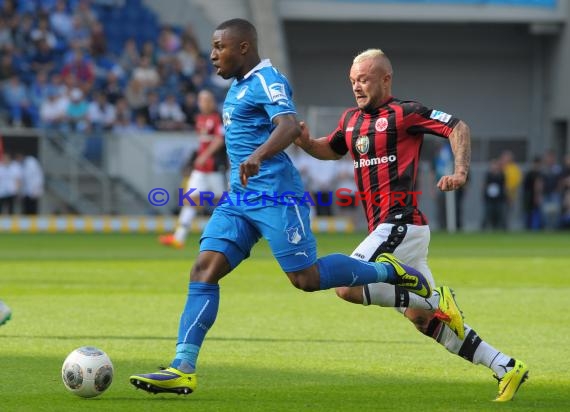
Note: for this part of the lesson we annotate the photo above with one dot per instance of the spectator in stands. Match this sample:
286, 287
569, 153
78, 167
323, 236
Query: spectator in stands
123, 113
77, 111
188, 57
97, 40
80, 34
10, 181
532, 196
112, 88
38, 90
151, 111
168, 46
7, 68
43, 32
170, 114
81, 69
57, 83
123, 125
84, 13
20, 108
101, 114
130, 56
32, 184
190, 109
61, 20
188, 35
136, 96
53, 112
146, 73
6, 40
551, 193
141, 125
22, 35
10, 13
494, 193
44, 57
149, 51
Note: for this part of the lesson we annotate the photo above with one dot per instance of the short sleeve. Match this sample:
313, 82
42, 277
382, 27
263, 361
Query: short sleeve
276, 97
419, 119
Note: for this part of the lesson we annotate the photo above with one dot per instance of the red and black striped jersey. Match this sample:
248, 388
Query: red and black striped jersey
385, 146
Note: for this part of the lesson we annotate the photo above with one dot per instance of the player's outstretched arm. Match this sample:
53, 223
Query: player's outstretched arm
460, 139
318, 148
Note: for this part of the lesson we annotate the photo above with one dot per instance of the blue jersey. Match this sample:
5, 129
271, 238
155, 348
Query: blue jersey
249, 109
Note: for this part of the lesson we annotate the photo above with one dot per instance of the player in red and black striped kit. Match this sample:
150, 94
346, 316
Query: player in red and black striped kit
385, 144
384, 136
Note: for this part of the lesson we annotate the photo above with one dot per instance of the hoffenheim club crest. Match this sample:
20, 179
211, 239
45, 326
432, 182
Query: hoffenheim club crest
293, 235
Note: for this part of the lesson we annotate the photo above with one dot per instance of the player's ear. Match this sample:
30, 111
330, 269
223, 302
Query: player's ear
244, 47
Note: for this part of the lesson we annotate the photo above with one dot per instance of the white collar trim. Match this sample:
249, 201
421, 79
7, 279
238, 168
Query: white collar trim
260, 65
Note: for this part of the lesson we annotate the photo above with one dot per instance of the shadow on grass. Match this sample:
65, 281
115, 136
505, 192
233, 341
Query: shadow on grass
232, 388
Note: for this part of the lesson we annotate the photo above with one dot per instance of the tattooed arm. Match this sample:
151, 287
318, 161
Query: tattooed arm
460, 139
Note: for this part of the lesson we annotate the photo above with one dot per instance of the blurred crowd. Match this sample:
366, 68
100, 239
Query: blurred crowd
544, 190
56, 72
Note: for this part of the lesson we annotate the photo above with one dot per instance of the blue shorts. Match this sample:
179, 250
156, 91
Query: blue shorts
234, 229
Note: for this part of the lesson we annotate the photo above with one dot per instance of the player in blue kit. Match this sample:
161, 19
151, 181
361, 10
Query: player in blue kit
260, 121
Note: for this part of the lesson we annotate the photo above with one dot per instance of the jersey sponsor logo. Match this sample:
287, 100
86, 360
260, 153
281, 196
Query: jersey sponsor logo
293, 235
381, 124
242, 92
374, 161
362, 144
277, 91
227, 116
441, 116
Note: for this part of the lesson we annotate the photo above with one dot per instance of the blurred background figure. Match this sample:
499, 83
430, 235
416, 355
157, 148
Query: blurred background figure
494, 193
443, 165
551, 190
10, 182
513, 180
532, 196
565, 194
208, 167
32, 183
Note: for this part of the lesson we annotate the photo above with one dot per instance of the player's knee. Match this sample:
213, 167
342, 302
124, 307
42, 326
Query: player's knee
304, 280
420, 318
352, 295
209, 267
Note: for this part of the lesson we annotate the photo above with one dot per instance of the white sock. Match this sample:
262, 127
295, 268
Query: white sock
185, 218
474, 349
492, 358
385, 295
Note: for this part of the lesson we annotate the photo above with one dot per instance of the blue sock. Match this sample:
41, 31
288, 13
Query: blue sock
341, 270
198, 317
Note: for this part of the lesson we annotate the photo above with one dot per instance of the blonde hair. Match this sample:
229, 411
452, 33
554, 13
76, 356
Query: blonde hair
368, 54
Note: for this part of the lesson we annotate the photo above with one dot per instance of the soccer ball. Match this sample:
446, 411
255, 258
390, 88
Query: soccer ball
87, 372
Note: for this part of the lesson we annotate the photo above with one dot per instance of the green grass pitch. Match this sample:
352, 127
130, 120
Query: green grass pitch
274, 348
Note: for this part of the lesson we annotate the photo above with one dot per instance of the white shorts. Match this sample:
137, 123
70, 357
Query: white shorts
408, 243
214, 182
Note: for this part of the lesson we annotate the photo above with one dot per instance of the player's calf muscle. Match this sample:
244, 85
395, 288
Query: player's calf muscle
306, 279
